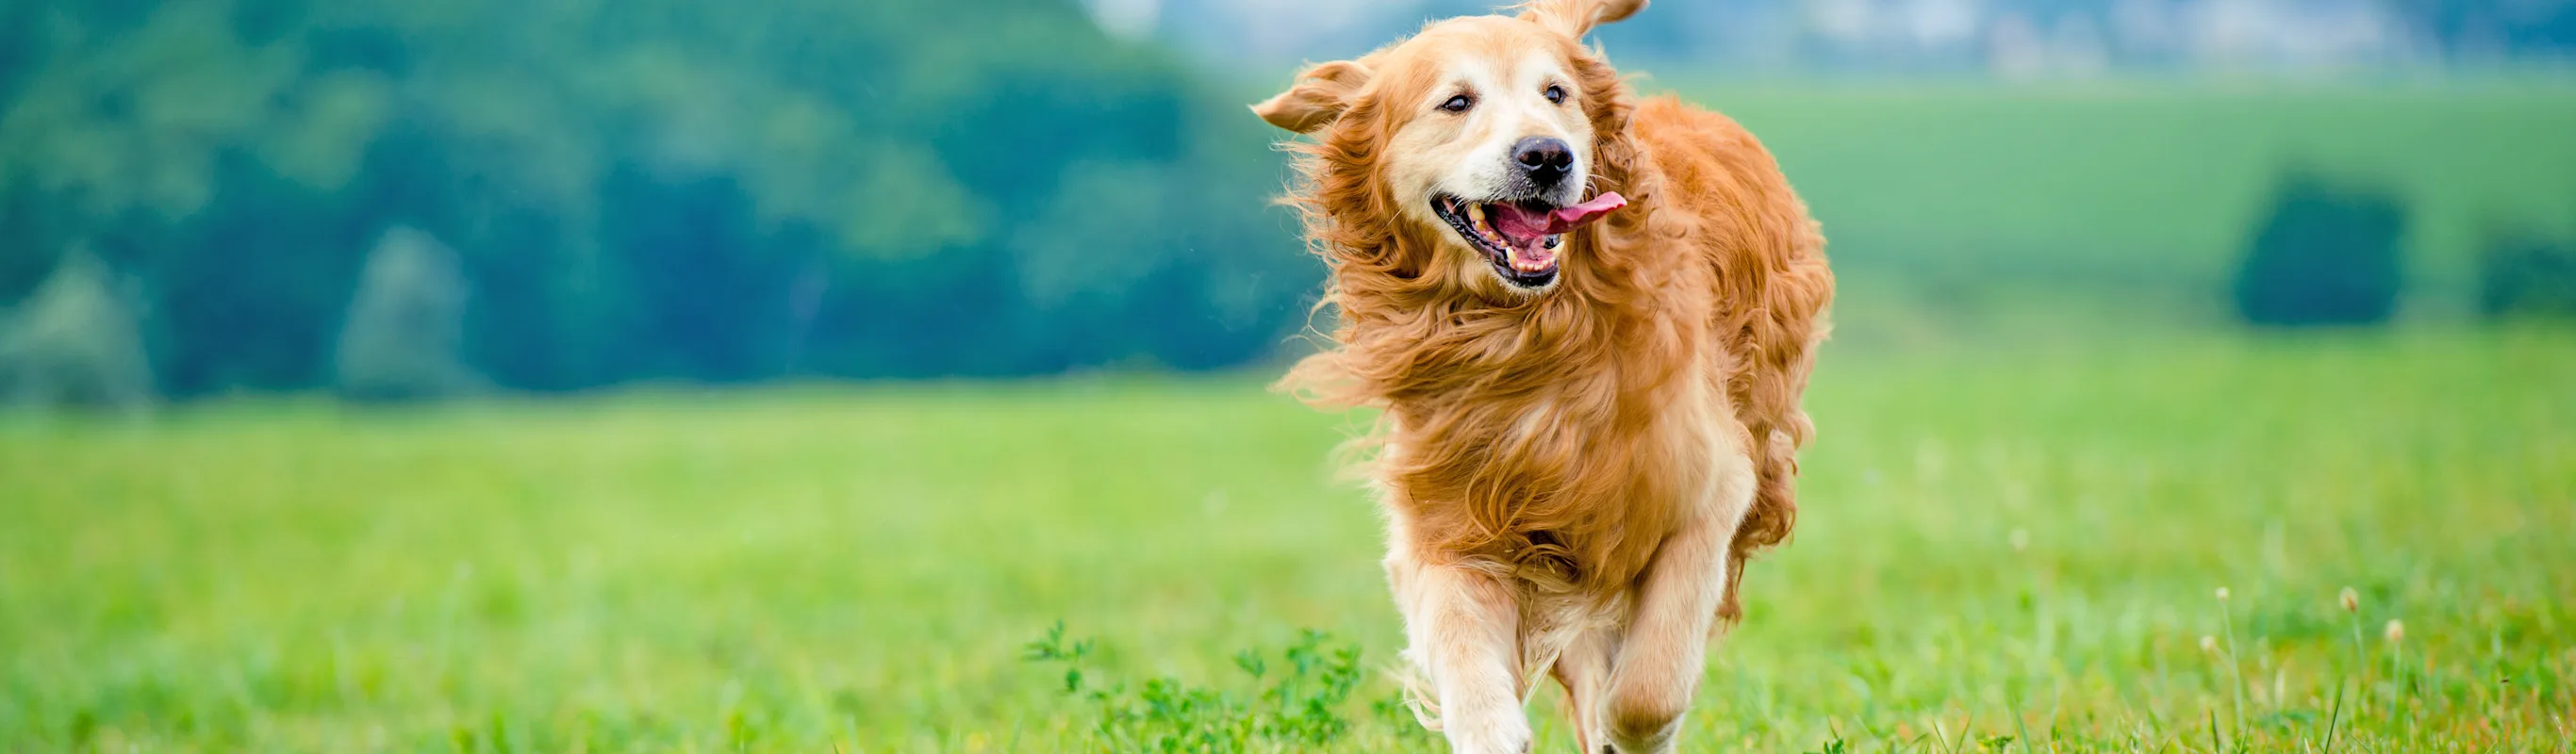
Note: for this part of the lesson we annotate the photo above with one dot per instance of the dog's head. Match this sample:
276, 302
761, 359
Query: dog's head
1482, 138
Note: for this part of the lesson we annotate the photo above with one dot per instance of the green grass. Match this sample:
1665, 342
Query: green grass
1996, 543
2149, 189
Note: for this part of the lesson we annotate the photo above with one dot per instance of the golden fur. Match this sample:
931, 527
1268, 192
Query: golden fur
1540, 453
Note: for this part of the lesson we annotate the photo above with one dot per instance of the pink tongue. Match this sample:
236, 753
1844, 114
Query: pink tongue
1526, 227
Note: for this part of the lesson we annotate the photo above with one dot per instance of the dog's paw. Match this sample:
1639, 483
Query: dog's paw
1660, 745
1508, 735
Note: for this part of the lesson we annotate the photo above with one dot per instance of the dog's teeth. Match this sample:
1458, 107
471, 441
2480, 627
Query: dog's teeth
1476, 214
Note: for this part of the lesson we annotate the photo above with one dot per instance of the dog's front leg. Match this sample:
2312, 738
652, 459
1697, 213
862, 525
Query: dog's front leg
1463, 628
1663, 655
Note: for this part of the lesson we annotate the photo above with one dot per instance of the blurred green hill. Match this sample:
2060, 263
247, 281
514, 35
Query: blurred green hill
2148, 194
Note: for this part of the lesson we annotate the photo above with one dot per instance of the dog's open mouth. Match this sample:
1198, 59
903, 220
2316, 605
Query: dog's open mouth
1521, 237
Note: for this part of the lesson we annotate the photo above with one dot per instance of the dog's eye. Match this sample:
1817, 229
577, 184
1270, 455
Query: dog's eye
1556, 94
1458, 104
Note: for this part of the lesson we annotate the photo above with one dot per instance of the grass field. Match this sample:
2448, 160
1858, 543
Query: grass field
1997, 543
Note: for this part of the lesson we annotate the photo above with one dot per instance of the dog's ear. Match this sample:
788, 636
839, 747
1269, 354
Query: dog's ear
1575, 18
1321, 93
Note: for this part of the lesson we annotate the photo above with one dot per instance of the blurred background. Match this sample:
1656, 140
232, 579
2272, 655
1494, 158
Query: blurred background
565, 375
393, 199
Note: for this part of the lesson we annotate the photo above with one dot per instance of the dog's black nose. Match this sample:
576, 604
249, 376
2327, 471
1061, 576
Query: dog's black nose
1547, 159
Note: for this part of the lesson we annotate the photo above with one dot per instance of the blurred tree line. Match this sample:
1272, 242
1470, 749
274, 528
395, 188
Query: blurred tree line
2328, 252
405, 197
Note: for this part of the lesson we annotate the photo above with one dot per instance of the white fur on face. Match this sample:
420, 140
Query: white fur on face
1469, 155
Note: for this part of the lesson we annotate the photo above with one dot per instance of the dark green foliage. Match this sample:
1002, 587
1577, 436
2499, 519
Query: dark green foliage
2325, 254
1298, 705
654, 189
2528, 276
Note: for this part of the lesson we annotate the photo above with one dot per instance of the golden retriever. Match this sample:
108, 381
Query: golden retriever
1587, 322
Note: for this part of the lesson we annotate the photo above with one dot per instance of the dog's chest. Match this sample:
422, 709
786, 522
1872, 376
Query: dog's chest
1574, 495
1607, 457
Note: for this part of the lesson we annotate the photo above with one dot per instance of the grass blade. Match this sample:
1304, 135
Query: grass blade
2019, 728
2334, 718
